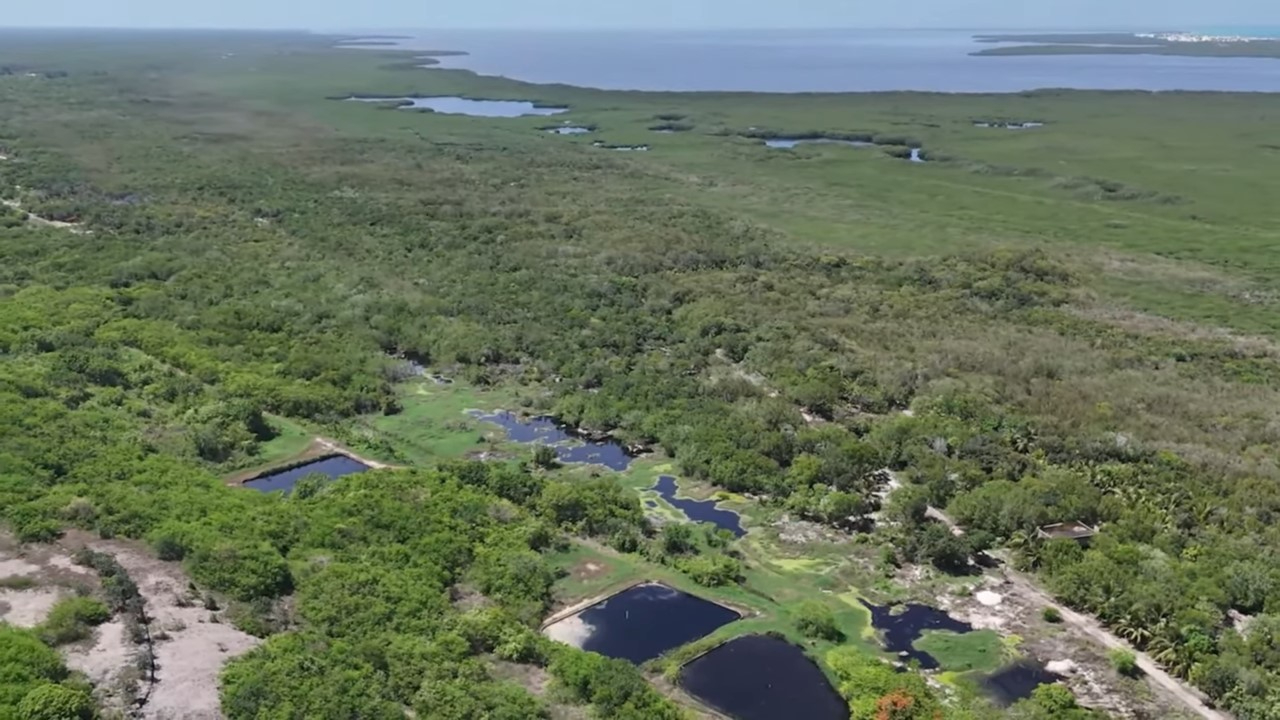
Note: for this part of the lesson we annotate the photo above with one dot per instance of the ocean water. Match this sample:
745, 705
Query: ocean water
819, 61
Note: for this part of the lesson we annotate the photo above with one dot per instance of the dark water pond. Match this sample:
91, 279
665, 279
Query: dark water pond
569, 446
789, 143
760, 677
569, 130
901, 626
641, 623
699, 510
333, 467
1017, 682
467, 106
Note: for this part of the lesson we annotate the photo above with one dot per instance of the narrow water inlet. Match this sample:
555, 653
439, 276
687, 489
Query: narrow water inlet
455, 105
1006, 125
785, 143
707, 511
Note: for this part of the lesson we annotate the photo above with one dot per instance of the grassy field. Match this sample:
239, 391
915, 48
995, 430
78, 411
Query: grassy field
434, 425
979, 651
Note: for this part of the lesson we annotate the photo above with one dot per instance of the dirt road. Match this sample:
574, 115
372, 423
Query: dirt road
1093, 629
332, 446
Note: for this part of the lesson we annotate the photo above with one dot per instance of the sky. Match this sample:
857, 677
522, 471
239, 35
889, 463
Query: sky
643, 14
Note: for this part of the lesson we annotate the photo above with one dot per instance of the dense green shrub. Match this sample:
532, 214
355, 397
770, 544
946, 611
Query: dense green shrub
816, 620
56, 702
73, 619
26, 664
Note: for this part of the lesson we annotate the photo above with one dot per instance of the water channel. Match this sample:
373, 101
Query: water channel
452, 105
707, 511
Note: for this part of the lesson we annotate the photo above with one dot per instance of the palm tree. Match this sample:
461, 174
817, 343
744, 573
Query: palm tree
1026, 548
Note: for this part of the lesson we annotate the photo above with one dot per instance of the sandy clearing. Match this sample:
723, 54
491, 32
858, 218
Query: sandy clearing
107, 662
988, 598
1029, 593
189, 661
62, 562
335, 447
16, 567
28, 608
572, 631
77, 228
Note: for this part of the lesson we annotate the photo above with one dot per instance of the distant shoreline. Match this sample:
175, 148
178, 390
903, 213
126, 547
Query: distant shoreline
966, 72
1128, 44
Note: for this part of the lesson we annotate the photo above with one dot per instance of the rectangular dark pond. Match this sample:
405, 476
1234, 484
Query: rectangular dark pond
901, 627
331, 466
451, 105
569, 446
641, 623
699, 510
761, 677
1016, 682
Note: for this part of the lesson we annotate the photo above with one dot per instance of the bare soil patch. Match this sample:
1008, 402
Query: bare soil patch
35, 578
538, 682
196, 642
108, 660
589, 569
319, 447
1010, 607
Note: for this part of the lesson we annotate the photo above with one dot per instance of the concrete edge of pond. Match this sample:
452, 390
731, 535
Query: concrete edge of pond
578, 607
705, 704
735, 638
320, 449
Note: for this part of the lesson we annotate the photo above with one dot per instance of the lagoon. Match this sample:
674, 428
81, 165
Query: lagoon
819, 60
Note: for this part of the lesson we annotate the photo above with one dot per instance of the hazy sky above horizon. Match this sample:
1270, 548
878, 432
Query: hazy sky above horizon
700, 14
